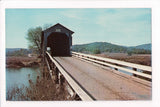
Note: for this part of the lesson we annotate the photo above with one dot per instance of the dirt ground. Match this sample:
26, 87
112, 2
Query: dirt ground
143, 59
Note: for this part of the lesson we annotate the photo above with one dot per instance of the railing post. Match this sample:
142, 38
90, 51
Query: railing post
56, 75
61, 79
135, 69
116, 68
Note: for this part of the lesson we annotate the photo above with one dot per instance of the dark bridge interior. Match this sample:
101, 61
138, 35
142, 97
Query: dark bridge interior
59, 44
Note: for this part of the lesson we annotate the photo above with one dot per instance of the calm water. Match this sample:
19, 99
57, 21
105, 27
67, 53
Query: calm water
19, 77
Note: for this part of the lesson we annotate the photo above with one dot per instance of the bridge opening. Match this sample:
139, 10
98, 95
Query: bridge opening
59, 44
58, 39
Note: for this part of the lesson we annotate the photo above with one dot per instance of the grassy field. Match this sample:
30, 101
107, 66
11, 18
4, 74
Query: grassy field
143, 59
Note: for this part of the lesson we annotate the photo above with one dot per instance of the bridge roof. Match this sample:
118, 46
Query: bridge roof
58, 24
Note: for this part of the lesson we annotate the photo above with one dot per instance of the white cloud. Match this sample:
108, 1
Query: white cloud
73, 13
129, 24
124, 20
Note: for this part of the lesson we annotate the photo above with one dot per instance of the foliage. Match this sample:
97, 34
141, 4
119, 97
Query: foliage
129, 53
138, 51
43, 90
46, 26
34, 39
96, 51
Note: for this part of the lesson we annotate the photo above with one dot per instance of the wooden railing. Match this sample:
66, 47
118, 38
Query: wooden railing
76, 87
141, 70
102, 62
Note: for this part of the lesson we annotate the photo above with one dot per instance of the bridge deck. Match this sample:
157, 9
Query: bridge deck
102, 84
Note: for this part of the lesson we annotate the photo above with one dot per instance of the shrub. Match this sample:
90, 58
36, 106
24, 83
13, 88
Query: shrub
129, 53
96, 51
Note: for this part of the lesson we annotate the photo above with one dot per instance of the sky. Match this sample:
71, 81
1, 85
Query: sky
121, 26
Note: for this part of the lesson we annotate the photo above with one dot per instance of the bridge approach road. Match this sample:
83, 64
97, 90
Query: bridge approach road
103, 84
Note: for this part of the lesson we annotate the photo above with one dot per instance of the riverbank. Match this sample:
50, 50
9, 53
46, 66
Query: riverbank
24, 84
20, 61
32, 86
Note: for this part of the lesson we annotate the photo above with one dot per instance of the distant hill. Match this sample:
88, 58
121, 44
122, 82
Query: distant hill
100, 47
144, 46
12, 49
93, 48
17, 51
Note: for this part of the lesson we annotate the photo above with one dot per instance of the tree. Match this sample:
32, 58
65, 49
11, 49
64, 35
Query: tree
129, 53
96, 51
34, 39
46, 26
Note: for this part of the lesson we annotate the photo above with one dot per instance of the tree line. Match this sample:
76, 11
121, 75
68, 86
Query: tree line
20, 52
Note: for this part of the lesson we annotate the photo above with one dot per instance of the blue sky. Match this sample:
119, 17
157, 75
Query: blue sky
122, 26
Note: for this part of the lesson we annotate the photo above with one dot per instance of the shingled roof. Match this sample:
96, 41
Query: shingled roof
58, 24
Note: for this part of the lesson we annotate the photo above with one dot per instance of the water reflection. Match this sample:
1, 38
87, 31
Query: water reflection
20, 76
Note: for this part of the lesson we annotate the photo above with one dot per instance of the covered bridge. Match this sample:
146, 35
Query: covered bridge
58, 38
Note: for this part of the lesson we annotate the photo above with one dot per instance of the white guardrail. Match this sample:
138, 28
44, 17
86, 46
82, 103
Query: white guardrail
77, 88
117, 64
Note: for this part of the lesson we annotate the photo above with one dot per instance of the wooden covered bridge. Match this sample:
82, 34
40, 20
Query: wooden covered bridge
92, 77
58, 39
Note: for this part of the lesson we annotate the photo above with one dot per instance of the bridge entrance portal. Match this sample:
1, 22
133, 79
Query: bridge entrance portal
58, 38
59, 44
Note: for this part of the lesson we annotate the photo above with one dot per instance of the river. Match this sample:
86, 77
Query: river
19, 77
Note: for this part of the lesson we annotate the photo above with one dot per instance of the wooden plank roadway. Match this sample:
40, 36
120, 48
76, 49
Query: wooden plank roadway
102, 84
